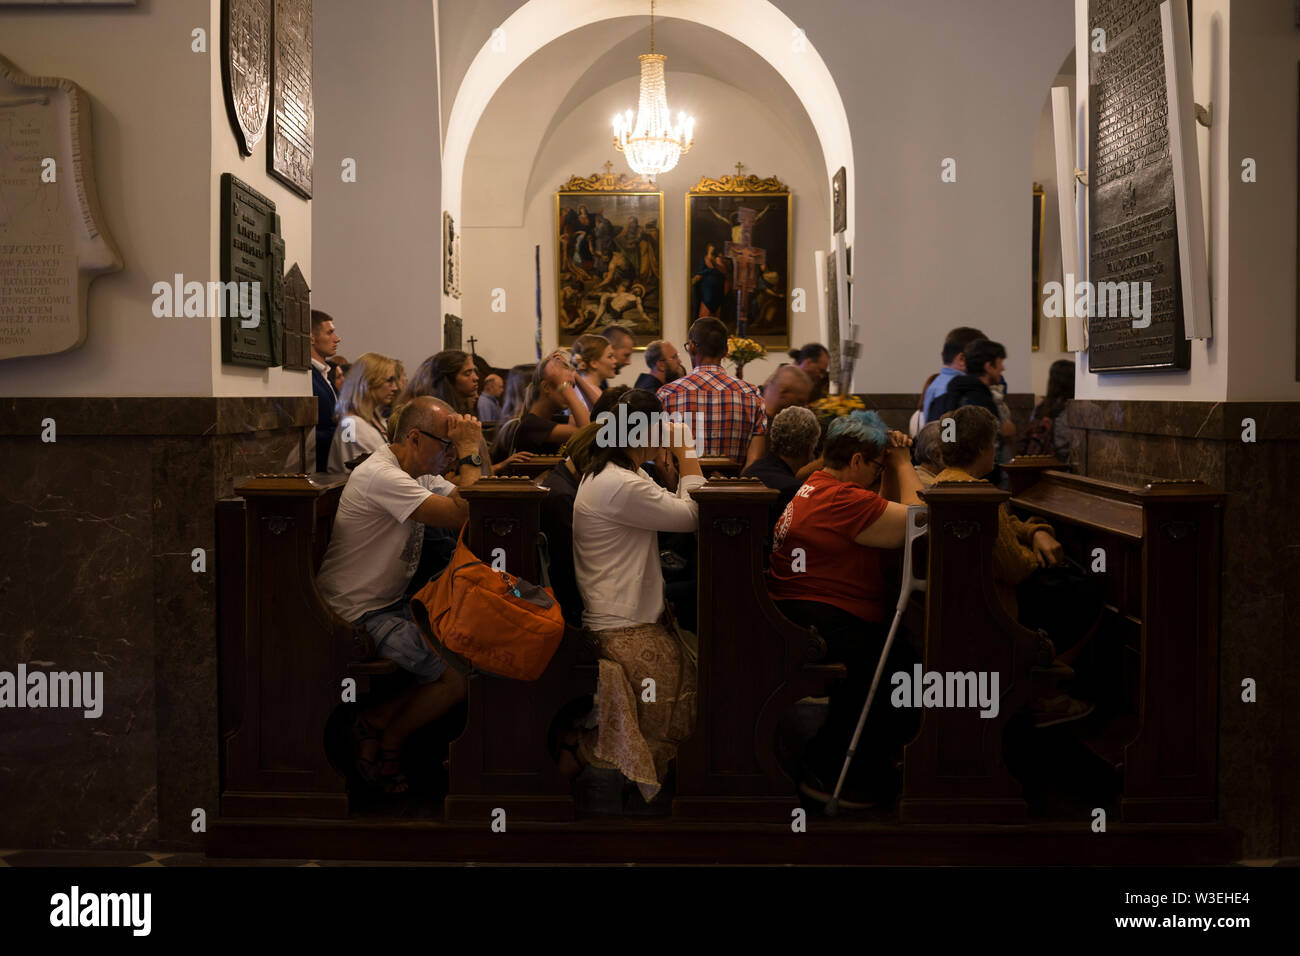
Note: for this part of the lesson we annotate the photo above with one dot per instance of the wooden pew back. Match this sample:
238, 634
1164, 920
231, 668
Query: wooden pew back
1161, 547
283, 652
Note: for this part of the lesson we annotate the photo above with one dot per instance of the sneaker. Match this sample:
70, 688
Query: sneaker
812, 787
1061, 709
1057, 670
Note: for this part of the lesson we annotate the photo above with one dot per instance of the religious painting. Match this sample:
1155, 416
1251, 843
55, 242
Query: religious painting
608, 246
738, 256
1036, 270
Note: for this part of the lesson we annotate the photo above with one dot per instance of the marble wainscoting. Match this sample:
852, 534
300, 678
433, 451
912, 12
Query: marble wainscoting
96, 574
1133, 442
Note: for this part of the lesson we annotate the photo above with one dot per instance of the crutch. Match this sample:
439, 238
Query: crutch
916, 527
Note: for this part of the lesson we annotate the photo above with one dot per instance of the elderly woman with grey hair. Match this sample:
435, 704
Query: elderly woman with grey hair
828, 572
791, 444
927, 454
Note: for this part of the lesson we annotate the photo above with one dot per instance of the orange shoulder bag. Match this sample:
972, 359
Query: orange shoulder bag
478, 619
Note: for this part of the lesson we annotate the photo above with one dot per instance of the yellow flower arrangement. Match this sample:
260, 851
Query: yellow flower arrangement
743, 351
834, 406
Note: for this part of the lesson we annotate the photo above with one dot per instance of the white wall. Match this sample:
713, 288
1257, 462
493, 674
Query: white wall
151, 136
731, 125
1265, 50
376, 242
161, 139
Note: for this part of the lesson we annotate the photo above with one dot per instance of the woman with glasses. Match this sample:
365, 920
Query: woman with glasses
826, 572
369, 388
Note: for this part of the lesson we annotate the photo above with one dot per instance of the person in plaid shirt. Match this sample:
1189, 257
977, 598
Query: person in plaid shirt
735, 423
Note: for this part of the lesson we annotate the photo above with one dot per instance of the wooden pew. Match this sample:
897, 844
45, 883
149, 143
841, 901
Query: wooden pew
953, 769
501, 760
283, 652
1162, 549
533, 468
754, 664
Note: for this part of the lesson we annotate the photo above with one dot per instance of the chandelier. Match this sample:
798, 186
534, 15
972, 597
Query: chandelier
653, 144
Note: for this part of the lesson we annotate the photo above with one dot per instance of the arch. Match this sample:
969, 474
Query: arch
758, 24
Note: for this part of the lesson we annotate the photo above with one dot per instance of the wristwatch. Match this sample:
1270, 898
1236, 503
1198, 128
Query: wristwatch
475, 459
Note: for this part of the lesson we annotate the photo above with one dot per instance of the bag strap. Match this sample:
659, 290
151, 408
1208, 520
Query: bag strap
544, 559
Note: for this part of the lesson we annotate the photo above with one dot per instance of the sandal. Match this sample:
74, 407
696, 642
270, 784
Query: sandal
372, 772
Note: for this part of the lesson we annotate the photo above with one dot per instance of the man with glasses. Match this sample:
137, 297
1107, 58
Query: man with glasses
375, 548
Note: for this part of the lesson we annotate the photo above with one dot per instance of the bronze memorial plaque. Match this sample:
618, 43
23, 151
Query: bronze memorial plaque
1133, 228
293, 122
246, 67
297, 320
250, 248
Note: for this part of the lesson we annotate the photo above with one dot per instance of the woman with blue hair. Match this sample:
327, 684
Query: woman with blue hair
826, 572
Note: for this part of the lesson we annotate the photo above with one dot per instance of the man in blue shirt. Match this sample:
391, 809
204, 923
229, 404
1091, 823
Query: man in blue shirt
954, 364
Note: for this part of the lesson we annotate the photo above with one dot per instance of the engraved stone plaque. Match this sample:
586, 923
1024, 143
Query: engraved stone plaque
251, 251
1133, 226
293, 123
297, 320
52, 237
246, 67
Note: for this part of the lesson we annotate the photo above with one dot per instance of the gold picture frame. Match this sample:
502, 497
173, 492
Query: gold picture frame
608, 256
1036, 269
714, 221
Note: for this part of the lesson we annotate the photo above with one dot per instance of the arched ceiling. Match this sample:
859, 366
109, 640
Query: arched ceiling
547, 87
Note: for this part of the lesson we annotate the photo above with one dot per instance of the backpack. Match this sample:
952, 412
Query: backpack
478, 619
942, 404
1037, 439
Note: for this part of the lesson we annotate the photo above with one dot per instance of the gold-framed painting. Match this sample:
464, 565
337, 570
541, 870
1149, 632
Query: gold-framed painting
738, 244
608, 250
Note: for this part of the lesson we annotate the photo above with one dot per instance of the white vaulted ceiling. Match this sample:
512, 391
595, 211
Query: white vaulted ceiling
523, 115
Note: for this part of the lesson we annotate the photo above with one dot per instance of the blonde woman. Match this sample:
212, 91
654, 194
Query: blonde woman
593, 355
369, 387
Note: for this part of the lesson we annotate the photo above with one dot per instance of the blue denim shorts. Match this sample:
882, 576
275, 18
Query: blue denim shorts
398, 639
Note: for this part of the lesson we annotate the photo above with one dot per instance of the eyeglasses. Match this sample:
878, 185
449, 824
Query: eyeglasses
445, 442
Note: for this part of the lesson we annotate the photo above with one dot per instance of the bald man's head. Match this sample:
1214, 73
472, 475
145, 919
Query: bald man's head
788, 386
425, 413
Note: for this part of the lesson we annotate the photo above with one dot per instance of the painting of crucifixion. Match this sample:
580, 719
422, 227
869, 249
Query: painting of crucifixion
738, 249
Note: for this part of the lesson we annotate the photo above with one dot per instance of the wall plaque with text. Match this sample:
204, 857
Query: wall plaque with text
297, 320
293, 123
1133, 228
52, 236
251, 252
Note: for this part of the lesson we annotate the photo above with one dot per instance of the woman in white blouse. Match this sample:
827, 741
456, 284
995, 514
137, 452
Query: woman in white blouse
370, 386
617, 515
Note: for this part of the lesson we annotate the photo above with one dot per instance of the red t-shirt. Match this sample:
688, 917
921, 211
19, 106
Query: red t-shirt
822, 519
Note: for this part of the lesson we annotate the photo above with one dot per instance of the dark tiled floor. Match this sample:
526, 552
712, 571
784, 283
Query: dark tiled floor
118, 858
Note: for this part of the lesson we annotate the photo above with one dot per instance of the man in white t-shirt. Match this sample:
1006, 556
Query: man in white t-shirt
375, 548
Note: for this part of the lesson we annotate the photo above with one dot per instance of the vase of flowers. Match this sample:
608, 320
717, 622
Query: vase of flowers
743, 351
834, 406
